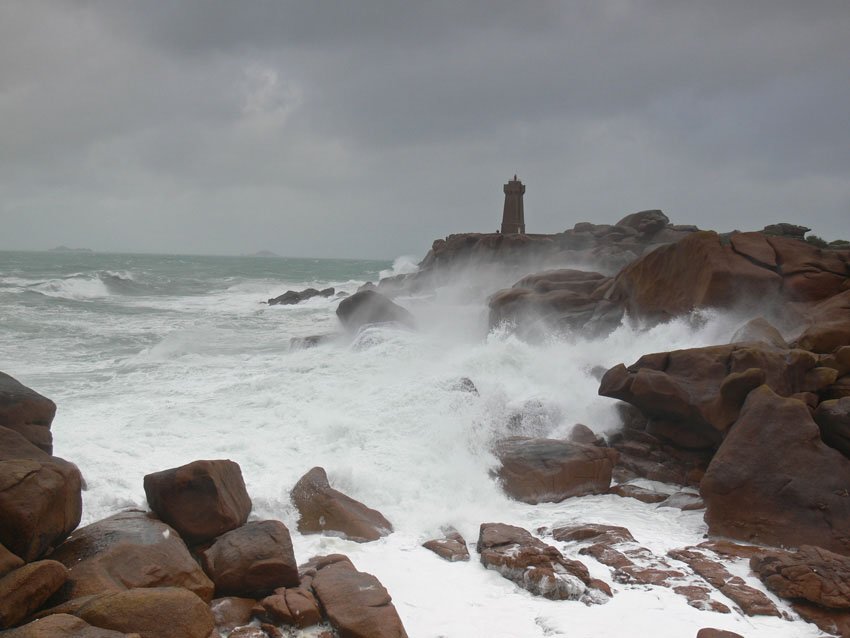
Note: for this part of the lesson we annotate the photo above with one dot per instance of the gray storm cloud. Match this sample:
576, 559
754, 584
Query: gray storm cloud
368, 129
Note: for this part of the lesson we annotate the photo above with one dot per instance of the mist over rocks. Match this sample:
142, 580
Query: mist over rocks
370, 307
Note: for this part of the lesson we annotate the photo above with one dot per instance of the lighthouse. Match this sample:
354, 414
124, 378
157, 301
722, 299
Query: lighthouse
513, 217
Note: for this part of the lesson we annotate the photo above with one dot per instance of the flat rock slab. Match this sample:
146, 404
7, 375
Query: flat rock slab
752, 601
810, 573
252, 560
549, 470
155, 612
326, 510
685, 501
26, 589
356, 603
535, 566
201, 500
127, 550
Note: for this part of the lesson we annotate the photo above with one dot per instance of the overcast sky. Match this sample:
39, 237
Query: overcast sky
370, 128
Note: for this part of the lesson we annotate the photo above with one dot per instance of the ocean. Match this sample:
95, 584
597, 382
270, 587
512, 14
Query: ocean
158, 360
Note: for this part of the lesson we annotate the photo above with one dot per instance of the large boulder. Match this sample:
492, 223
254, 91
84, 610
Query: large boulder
294, 606
26, 589
646, 222
368, 307
26, 411
326, 510
40, 497
201, 500
252, 560
549, 470
773, 480
535, 566
156, 612
356, 603
693, 396
63, 626
127, 550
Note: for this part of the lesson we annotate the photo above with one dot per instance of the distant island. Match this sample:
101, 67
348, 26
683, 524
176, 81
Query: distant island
263, 253
65, 249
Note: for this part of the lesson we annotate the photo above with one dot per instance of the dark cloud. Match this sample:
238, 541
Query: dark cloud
370, 128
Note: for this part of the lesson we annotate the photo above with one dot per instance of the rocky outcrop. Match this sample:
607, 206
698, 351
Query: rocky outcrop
451, 547
40, 497
27, 412
356, 604
291, 297
693, 396
201, 500
535, 566
155, 612
323, 509
128, 550
369, 307
706, 270
26, 589
773, 481
252, 560
548, 470
607, 246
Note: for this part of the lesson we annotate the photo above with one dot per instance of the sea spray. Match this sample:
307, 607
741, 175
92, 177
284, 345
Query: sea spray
198, 367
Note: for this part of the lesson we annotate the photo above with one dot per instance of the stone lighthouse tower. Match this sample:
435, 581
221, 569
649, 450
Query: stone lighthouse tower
513, 217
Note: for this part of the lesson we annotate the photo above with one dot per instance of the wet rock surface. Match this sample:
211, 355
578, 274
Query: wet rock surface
451, 547
201, 500
356, 603
548, 470
323, 509
155, 612
128, 550
252, 560
535, 566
